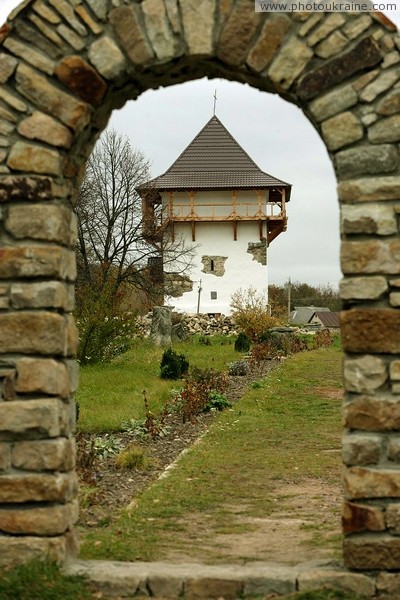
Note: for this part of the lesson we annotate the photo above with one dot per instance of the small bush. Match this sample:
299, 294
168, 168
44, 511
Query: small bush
200, 384
205, 340
251, 313
173, 365
239, 368
134, 457
217, 401
242, 343
323, 338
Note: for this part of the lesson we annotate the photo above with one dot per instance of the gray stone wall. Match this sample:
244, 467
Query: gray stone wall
64, 66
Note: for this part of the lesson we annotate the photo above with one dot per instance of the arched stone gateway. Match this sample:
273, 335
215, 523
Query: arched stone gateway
64, 66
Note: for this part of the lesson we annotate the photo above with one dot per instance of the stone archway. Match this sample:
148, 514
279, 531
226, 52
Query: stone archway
64, 66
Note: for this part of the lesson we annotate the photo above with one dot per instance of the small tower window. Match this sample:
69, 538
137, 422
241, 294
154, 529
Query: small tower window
211, 265
213, 295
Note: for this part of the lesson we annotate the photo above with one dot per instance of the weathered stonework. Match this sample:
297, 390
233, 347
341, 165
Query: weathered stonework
64, 66
214, 265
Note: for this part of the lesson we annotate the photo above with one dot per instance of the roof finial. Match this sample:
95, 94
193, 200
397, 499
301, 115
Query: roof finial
215, 101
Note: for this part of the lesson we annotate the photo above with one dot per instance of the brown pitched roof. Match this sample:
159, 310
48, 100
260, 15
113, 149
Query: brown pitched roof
215, 160
328, 319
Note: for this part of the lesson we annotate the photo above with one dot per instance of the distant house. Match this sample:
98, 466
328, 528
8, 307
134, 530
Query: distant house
302, 314
328, 319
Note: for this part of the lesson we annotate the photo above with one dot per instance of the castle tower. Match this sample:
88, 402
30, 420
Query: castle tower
226, 209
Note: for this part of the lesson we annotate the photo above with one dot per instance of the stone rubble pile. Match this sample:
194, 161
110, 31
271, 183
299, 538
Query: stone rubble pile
201, 324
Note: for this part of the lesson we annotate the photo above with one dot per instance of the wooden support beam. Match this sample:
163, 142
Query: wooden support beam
235, 230
193, 231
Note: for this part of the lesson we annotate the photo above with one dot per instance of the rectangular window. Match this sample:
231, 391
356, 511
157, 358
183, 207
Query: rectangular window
213, 295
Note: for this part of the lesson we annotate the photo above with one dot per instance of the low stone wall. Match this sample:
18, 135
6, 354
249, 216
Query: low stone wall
201, 324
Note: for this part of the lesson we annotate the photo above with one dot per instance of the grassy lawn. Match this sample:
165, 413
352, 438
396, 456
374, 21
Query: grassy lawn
112, 393
287, 428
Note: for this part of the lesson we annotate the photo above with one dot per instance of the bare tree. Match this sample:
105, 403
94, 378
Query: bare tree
113, 248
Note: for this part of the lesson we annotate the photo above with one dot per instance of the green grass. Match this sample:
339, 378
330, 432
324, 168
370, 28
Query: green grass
38, 580
284, 430
112, 393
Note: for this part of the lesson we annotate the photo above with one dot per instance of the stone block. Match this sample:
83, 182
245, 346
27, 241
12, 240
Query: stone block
44, 455
73, 374
47, 222
8, 65
364, 55
394, 370
270, 39
366, 160
72, 337
385, 130
41, 127
289, 63
39, 520
339, 580
126, 23
332, 45
38, 487
370, 256
34, 333
372, 551
20, 550
388, 584
43, 375
383, 82
37, 261
394, 299
372, 413
311, 20
160, 34
23, 416
371, 330
82, 79
34, 158
361, 449
32, 188
72, 38
341, 130
45, 95
198, 18
237, 33
372, 219
393, 518
355, 27
363, 288
30, 55
364, 375
393, 449
5, 456
108, 59
330, 23
93, 25
362, 517
368, 482
46, 294
390, 104
334, 102
198, 589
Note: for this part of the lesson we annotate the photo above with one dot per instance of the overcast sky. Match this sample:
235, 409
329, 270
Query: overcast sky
275, 134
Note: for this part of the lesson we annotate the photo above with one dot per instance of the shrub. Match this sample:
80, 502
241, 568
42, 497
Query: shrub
242, 343
217, 401
239, 368
200, 385
251, 313
134, 457
173, 365
101, 338
323, 338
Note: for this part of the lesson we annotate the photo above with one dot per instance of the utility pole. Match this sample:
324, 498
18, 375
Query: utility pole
199, 290
289, 298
